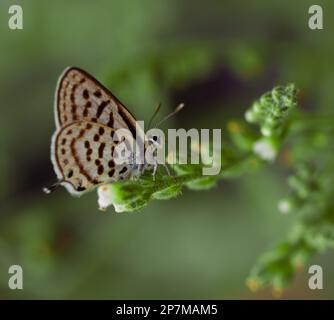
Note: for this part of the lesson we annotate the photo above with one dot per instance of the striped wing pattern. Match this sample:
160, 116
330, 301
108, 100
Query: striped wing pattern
87, 116
81, 97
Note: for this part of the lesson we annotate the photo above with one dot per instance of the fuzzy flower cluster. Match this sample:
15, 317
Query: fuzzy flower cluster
271, 110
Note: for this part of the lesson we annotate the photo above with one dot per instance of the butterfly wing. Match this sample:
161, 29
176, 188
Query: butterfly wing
79, 96
87, 115
84, 156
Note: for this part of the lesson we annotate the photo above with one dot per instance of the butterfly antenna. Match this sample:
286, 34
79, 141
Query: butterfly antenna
177, 109
53, 187
157, 109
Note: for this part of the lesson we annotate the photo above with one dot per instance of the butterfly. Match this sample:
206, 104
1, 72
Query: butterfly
82, 148
87, 116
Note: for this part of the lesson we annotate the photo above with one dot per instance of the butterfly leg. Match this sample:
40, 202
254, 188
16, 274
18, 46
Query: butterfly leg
155, 167
167, 169
135, 176
138, 171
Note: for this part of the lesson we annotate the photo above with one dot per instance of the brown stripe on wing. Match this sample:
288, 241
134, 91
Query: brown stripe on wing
64, 88
81, 133
74, 111
87, 106
101, 107
74, 87
78, 163
101, 149
74, 106
111, 120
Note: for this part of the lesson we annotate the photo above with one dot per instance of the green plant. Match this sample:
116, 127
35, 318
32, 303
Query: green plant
273, 129
247, 151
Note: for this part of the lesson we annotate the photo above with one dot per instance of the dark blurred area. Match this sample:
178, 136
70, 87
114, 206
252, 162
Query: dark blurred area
215, 56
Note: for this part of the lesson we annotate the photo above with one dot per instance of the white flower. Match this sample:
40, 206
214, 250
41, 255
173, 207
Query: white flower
250, 116
265, 149
106, 198
284, 206
266, 131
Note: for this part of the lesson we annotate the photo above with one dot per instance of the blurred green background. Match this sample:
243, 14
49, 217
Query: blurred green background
217, 57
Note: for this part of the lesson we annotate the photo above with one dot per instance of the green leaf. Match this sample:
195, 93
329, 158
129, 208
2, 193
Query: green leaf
202, 183
168, 193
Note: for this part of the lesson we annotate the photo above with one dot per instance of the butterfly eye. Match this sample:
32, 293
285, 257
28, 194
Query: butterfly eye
154, 140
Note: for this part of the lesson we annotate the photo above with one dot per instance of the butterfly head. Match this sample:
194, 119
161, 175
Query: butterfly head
154, 140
